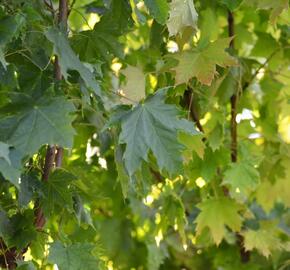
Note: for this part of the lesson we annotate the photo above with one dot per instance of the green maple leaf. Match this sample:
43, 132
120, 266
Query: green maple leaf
276, 7
201, 62
4, 152
216, 214
156, 255
68, 59
134, 89
44, 121
73, 257
57, 192
182, 15
265, 239
159, 9
153, 126
11, 170
21, 265
231, 4
242, 176
9, 28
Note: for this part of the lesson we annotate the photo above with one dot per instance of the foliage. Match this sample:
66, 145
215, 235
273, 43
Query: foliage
144, 134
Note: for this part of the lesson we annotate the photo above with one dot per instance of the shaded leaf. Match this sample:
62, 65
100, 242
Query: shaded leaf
45, 121
73, 257
153, 126
57, 192
68, 59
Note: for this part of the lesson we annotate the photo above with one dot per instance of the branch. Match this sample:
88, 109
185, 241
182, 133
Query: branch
189, 99
245, 255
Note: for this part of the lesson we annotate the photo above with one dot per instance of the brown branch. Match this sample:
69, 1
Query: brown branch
189, 100
245, 255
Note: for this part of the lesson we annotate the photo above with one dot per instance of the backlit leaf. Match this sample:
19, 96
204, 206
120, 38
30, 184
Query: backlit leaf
201, 62
182, 15
215, 215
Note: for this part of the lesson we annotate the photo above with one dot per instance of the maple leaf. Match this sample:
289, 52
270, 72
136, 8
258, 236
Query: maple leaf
265, 239
201, 62
159, 9
216, 214
73, 257
182, 15
153, 126
276, 7
242, 176
68, 59
56, 191
44, 121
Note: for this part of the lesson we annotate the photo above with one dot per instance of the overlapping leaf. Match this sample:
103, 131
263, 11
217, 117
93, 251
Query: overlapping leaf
68, 59
153, 126
201, 62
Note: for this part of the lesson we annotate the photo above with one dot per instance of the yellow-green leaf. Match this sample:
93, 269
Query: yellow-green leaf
216, 214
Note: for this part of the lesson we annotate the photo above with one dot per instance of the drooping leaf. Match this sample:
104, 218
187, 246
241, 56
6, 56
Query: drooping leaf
215, 215
182, 15
153, 126
12, 170
44, 121
242, 177
134, 89
4, 152
159, 9
68, 59
73, 257
201, 62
